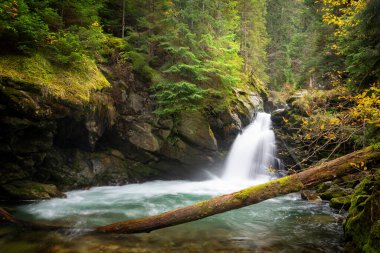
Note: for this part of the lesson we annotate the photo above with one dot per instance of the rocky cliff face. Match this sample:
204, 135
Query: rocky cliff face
115, 138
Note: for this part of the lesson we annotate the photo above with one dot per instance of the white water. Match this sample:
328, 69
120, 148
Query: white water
253, 152
285, 224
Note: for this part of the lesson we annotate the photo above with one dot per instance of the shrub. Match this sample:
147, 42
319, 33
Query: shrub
65, 48
20, 30
178, 96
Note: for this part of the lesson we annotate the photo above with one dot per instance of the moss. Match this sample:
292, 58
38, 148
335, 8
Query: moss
335, 192
341, 202
28, 190
282, 185
362, 223
373, 244
244, 194
376, 146
290, 184
72, 84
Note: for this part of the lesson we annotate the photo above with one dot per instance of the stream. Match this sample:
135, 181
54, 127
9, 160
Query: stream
283, 224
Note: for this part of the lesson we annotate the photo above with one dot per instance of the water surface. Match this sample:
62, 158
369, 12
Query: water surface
284, 224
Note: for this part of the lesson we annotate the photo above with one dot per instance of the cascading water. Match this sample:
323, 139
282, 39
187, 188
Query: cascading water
253, 151
285, 224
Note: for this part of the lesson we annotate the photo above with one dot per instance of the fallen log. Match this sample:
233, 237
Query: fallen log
249, 196
252, 195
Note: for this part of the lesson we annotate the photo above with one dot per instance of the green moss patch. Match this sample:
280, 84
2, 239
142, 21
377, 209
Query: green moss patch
363, 221
72, 84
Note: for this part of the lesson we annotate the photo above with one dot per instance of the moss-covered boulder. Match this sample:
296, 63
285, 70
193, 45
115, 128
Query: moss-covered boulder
341, 202
29, 190
362, 226
335, 191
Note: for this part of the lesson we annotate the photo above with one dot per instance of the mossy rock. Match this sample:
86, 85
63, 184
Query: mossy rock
341, 202
28, 190
335, 191
362, 226
310, 196
194, 128
324, 186
352, 180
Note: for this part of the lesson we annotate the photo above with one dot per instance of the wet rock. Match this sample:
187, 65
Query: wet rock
310, 196
12, 171
226, 125
71, 169
194, 128
180, 151
352, 180
335, 191
142, 137
362, 226
166, 123
324, 186
28, 190
341, 202
164, 133
136, 102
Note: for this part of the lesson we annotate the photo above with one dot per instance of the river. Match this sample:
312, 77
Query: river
283, 224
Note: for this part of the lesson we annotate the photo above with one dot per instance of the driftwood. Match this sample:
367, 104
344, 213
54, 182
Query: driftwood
252, 195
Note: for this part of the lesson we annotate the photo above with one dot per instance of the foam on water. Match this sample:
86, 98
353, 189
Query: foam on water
251, 154
253, 151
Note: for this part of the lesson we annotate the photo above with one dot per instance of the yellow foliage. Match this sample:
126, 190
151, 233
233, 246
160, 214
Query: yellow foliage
341, 14
367, 108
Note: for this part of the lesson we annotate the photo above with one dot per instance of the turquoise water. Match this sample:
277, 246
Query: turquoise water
283, 224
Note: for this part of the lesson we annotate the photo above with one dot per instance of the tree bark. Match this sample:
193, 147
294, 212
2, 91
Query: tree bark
252, 195
123, 21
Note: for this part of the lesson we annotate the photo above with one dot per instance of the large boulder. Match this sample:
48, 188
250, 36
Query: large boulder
140, 134
28, 190
341, 202
186, 154
70, 169
335, 191
194, 128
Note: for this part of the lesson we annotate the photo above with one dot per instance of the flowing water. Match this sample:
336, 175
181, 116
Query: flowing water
283, 224
253, 151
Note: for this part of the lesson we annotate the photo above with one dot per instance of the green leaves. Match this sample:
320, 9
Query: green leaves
20, 29
178, 96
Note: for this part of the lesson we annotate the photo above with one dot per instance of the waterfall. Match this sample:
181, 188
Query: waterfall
253, 151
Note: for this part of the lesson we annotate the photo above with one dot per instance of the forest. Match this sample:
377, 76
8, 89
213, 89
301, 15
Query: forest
151, 97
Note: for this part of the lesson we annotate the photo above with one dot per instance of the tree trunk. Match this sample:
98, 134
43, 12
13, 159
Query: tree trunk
123, 21
252, 195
